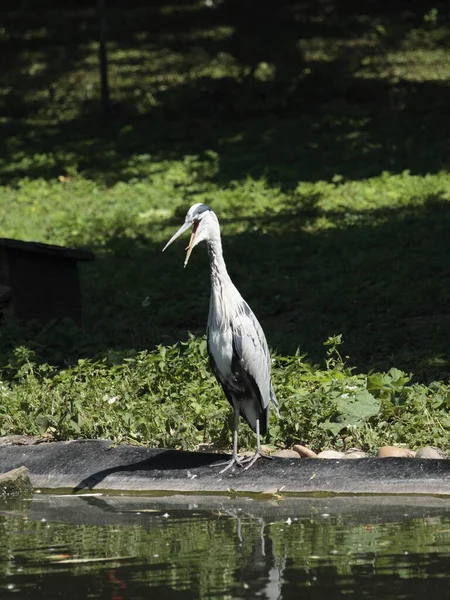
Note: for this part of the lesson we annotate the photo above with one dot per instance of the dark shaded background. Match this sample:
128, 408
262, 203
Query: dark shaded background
312, 120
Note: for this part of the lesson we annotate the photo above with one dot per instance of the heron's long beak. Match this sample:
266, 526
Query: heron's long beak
182, 229
190, 247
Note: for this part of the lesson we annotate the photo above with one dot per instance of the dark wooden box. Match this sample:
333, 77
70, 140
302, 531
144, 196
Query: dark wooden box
40, 281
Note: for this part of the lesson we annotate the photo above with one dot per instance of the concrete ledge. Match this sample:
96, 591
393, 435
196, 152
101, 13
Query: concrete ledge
97, 464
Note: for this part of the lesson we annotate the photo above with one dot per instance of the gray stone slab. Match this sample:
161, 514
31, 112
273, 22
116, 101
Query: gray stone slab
97, 464
15, 484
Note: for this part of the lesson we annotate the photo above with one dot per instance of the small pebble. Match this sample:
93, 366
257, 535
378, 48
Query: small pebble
286, 454
304, 451
353, 453
330, 454
429, 452
394, 451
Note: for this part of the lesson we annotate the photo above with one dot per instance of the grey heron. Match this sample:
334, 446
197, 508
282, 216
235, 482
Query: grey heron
237, 347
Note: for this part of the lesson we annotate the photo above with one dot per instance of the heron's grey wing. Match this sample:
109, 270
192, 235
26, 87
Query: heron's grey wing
251, 352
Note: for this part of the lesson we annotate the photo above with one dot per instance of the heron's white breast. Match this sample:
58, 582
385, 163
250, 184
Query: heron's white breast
221, 348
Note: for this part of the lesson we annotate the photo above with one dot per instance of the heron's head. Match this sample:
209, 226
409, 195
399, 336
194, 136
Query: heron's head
199, 217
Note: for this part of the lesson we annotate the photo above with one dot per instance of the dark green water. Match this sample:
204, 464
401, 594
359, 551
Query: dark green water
215, 547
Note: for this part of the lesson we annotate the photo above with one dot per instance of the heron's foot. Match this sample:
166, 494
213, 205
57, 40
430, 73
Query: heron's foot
236, 460
240, 461
252, 459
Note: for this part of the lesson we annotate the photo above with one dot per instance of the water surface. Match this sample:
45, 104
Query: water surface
217, 547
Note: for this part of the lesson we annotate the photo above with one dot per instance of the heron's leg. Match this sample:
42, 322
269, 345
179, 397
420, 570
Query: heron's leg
235, 460
235, 433
252, 459
258, 453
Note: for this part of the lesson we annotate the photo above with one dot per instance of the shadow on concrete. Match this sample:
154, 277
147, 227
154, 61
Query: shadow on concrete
165, 460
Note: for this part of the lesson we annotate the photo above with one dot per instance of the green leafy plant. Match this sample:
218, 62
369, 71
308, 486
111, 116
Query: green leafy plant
169, 398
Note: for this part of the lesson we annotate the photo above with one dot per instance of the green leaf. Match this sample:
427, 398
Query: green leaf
333, 428
42, 423
75, 426
356, 409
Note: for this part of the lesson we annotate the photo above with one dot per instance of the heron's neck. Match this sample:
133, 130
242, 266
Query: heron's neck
219, 273
223, 292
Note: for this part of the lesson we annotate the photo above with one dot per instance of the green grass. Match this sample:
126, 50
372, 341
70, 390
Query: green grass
320, 138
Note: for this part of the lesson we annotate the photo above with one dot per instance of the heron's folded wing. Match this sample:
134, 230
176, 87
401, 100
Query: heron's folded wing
251, 350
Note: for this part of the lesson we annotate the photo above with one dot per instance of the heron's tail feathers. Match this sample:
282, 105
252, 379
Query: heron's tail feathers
251, 411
